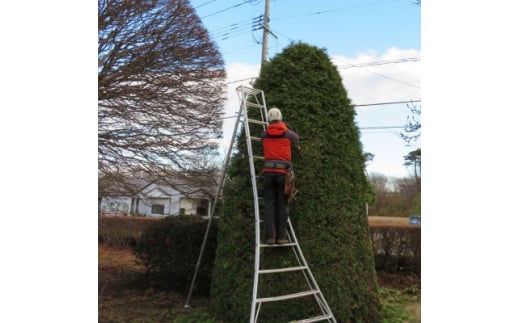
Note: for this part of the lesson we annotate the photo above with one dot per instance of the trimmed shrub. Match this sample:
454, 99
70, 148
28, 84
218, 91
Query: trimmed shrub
329, 212
121, 231
170, 249
397, 248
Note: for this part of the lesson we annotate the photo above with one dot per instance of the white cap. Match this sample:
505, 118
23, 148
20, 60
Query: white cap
274, 114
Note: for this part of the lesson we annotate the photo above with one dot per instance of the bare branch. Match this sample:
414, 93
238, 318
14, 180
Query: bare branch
160, 87
413, 124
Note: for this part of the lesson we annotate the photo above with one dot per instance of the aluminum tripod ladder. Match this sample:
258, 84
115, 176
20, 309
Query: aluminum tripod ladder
252, 105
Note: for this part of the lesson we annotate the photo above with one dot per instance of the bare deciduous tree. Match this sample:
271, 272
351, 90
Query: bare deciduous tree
413, 124
160, 88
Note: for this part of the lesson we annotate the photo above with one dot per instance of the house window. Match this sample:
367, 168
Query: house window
157, 209
202, 211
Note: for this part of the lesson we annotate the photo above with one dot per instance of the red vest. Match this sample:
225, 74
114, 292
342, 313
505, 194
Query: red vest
276, 141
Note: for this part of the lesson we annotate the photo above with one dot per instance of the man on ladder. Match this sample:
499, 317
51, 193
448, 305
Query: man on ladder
278, 177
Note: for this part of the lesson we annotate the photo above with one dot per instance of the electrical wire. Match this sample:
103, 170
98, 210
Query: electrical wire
205, 3
385, 103
383, 75
237, 29
382, 127
226, 9
331, 10
386, 129
227, 29
376, 63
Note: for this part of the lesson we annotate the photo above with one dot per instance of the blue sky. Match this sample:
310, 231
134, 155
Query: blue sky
375, 44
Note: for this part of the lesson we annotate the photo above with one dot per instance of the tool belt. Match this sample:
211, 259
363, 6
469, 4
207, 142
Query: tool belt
280, 164
290, 188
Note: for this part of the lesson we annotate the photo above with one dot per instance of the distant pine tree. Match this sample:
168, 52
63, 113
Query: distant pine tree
328, 214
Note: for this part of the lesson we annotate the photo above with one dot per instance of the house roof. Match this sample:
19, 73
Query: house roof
157, 193
193, 185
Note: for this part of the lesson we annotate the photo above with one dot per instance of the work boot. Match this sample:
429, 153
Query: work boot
282, 241
270, 241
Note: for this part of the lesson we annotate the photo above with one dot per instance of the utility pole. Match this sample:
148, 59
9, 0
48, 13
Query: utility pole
265, 37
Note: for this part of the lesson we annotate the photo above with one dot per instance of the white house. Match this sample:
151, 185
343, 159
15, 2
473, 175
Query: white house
158, 199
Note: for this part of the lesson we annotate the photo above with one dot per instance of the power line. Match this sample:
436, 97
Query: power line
391, 78
205, 3
282, 18
382, 127
394, 61
386, 129
382, 75
385, 103
226, 9
355, 105
237, 29
332, 10
225, 29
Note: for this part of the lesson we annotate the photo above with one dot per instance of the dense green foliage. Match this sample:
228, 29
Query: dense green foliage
329, 212
169, 249
397, 248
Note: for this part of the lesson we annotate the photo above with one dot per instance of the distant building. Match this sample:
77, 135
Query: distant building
157, 198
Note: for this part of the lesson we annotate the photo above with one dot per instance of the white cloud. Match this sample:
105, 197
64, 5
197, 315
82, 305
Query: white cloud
381, 83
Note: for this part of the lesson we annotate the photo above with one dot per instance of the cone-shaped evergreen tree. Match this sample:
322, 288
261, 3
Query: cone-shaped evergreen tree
329, 211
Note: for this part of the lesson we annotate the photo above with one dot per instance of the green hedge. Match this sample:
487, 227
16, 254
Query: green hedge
328, 215
162, 242
170, 248
397, 248
121, 231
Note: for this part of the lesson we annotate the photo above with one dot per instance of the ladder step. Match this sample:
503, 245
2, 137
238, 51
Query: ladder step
254, 105
259, 157
281, 270
257, 121
263, 245
314, 319
256, 138
286, 297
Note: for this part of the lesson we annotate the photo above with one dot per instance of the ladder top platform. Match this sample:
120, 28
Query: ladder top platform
249, 90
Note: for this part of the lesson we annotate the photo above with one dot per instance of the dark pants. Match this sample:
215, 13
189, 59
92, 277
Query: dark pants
276, 208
